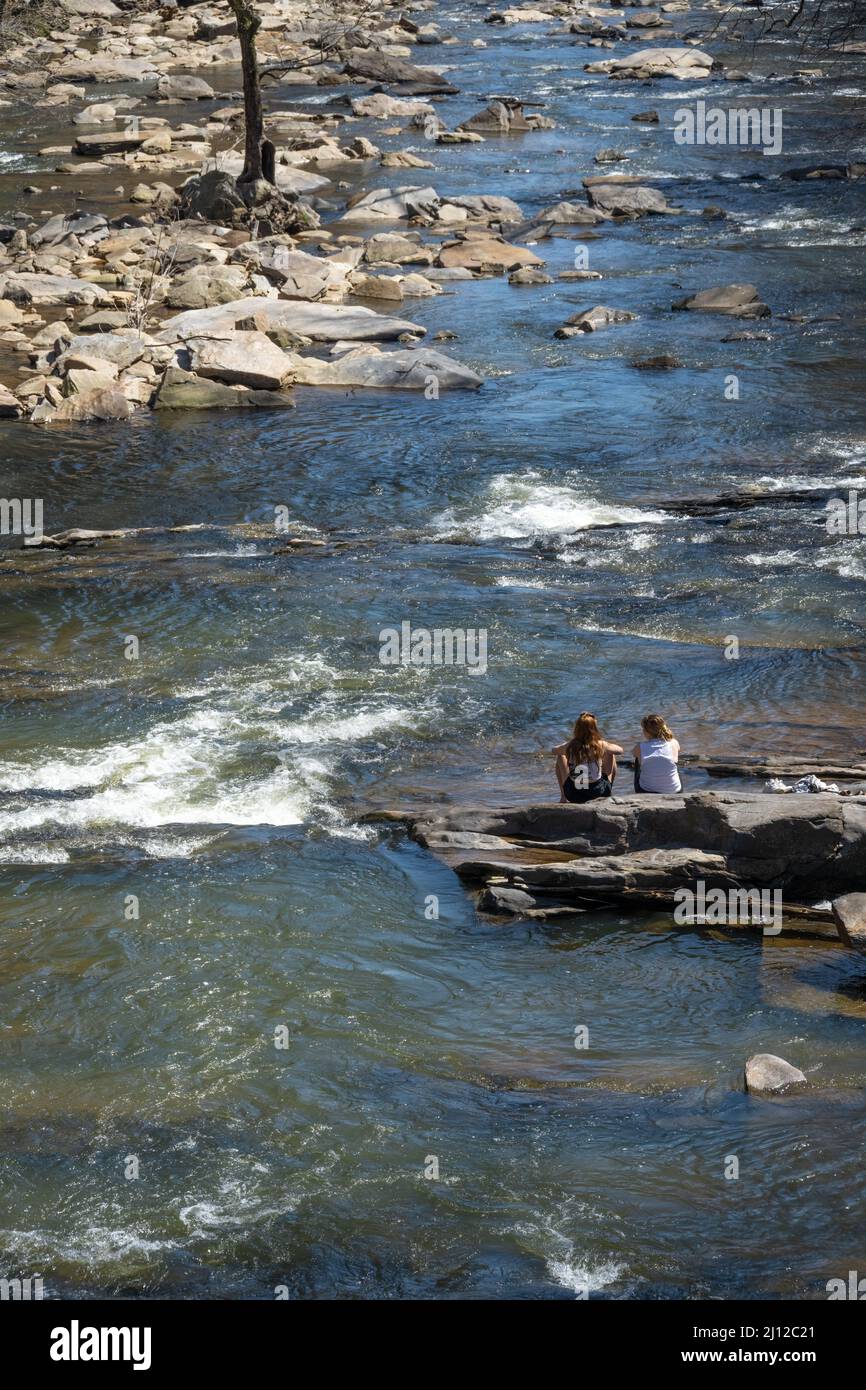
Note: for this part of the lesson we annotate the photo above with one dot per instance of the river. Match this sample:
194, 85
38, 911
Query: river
214, 964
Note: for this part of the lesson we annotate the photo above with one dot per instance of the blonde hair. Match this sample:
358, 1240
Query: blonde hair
586, 742
654, 726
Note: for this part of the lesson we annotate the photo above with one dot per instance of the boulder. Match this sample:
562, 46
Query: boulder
182, 390
393, 205
23, 287
591, 320
109, 142
737, 301
499, 118
63, 225
100, 113
529, 275
405, 77
766, 1074
121, 349
486, 254
377, 287
92, 9
297, 274
10, 406
215, 196
418, 369
683, 64
568, 215
101, 401
97, 67
380, 106
625, 199
849, 914
179, 88
390, 248
325, 323
486, 207
240, 359
204, 285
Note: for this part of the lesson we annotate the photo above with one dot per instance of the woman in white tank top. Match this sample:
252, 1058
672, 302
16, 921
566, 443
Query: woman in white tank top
655, 767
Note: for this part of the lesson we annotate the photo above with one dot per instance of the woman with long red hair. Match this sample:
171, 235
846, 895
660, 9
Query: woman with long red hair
586, 764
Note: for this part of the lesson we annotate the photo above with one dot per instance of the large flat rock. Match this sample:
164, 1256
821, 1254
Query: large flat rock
24, 287
324, 323
811, 847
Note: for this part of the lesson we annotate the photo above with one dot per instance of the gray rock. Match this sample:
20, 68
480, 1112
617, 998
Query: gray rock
591, 320
58, 228
499, 118
737, 301
109, 142
529, 275
407, 370
849, 914
101, 401
323, 323
239, 359
622, 198
766, 1074
205, 285
179, 88
809, 847
395, 72
393, 205
506, 900
23, 287
182, 390
684, 64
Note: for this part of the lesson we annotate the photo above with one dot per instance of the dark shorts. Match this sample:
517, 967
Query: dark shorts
579, 795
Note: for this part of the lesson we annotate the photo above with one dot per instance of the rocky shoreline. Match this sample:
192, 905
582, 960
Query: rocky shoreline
208, 293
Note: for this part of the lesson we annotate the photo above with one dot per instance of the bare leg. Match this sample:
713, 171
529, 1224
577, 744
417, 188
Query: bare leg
561, 773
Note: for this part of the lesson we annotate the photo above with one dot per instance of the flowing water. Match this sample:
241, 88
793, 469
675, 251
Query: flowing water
224, 776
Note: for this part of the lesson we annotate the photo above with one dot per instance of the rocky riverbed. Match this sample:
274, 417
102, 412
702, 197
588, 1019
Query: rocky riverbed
264, 275
207, 772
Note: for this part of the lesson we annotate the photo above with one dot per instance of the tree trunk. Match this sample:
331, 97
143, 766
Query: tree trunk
249, 24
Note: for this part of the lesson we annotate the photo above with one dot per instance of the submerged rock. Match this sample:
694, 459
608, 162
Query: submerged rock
590, 320
738, 301
766, 1074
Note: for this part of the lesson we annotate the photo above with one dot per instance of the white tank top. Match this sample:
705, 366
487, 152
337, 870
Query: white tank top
658, 766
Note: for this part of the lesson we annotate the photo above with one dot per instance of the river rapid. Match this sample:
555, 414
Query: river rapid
287, 1038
